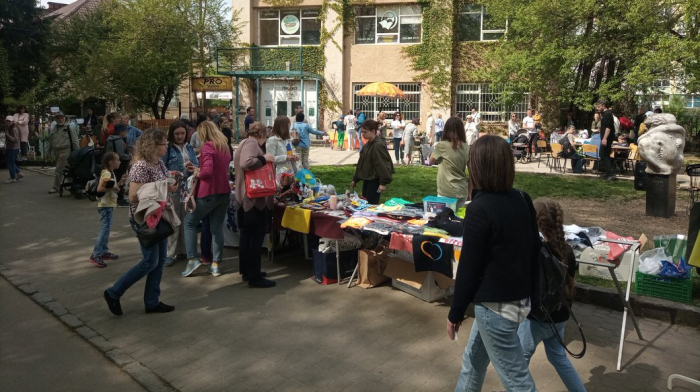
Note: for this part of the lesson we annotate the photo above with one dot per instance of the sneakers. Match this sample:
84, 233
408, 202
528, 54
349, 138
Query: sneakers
161, 308
169, 262
109, 256
97, 261
192, 265
114, 306
53, 190
262, 283
214, 270
20, 176
9, 181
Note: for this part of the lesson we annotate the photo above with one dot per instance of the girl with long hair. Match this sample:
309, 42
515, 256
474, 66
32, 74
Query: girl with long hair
105, 207
147, 168
451, 155
180, 157
550, 221
212, 196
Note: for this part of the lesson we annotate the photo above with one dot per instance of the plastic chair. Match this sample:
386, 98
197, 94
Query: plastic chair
591, 148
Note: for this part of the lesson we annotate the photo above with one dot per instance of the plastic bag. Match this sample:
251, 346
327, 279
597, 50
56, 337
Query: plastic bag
650, 261
675, 245
670, 270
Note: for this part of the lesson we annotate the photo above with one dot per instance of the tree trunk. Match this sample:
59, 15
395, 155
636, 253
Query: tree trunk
154, 103
167, 97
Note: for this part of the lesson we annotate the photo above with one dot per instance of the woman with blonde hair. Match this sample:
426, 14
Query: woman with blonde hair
211, 198
147, 167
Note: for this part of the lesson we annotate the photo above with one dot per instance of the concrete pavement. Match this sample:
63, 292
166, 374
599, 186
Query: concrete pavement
38, 352
299, 336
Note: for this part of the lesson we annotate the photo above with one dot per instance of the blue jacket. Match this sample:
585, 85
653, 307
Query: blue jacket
595, 140
360, 119
132, 135
173, 159
304, 130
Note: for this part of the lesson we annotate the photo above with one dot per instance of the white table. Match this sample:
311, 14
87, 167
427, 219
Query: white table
634, 248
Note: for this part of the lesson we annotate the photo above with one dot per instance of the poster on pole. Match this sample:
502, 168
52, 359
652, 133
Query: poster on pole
212, 83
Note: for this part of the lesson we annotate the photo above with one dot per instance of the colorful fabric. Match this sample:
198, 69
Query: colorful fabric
297, 219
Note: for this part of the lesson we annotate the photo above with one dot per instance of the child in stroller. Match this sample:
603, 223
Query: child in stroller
519, 145
83, 166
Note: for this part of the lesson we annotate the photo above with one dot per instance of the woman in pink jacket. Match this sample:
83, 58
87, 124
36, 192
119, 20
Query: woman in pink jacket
212, 196
22, 122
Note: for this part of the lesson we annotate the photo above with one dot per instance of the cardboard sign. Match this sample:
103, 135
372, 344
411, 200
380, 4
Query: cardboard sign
212, 83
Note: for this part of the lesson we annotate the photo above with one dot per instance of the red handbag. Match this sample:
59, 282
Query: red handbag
260, 182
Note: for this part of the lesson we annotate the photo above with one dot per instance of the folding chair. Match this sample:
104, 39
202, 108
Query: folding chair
542, 149
556, 149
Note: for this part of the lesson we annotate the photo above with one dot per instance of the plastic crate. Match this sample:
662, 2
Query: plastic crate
678, 290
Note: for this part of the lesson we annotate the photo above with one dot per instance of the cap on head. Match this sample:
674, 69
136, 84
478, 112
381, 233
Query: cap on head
10, 119
59, 114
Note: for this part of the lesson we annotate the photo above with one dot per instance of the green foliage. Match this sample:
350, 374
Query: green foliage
432, 57
312, 58
574, 52
676, 106
22, 38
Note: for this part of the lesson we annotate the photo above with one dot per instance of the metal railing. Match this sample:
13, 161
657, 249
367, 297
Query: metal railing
256, 61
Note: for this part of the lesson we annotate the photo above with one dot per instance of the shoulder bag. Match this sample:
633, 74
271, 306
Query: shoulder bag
260, 182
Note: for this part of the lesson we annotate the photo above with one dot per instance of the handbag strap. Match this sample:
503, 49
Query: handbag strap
559, 338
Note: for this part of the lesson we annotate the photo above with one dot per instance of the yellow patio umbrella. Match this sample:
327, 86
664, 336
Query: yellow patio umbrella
381, 89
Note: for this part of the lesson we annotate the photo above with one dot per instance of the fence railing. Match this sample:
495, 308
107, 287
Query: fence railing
262, 60
162, 124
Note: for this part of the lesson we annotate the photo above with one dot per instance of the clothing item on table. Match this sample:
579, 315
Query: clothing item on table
430, 255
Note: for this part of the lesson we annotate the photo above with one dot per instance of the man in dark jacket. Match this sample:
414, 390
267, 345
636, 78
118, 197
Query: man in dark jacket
374, 167
607, 137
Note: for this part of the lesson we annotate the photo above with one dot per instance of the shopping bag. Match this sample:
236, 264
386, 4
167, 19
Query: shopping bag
370, 272
260, 182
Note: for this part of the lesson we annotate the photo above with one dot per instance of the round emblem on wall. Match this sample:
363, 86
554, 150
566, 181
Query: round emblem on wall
290, 24
388, 20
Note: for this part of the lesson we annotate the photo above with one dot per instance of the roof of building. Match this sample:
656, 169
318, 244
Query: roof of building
78, 7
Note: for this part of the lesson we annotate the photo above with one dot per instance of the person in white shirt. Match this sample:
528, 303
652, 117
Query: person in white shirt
351, 129
513, 126
529, 122
476, 116
398, 126
472, 133
430, 129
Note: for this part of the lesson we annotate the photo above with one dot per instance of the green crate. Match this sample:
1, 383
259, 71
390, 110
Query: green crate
678, 290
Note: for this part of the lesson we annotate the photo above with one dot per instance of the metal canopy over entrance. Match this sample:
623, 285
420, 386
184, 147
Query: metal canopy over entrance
286, 64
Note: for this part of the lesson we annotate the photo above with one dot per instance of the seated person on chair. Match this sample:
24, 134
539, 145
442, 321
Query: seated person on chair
621, 155
568, 145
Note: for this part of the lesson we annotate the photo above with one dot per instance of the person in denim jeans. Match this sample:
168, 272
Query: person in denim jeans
180, 157
148, 167
12, 136
496, 270
105, 206
550, 219
212, 196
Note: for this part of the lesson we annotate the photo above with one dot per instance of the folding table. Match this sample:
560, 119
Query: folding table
625, 298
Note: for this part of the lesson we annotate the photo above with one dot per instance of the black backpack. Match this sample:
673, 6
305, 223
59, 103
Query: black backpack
549, 293
567, 149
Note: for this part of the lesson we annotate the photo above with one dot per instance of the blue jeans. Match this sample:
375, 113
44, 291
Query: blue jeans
214, 206
438, 137
105, 224
204, 239
359, 138
398, 149
531, 333
151, 266
494, 339
11, 161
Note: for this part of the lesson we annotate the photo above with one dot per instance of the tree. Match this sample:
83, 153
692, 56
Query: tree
22, 37
572, 52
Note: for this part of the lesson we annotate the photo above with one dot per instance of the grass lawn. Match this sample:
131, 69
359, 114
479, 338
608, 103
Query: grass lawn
415, 182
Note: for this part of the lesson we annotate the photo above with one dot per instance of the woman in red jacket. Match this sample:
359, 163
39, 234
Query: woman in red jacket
212, 196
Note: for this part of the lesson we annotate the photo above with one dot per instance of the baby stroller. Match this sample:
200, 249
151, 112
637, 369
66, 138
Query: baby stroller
83, 166
519, 146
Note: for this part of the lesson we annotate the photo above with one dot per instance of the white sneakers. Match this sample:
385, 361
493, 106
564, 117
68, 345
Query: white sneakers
9, 181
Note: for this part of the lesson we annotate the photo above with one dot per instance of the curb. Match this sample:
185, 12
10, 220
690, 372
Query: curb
135, 369
643, 306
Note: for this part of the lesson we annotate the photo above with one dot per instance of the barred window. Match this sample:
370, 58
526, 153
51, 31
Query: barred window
487, 99
409, 106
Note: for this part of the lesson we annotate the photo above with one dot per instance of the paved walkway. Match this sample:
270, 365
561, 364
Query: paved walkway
38, 352
299, 336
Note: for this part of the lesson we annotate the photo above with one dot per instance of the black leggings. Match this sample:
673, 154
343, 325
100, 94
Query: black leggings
253, 226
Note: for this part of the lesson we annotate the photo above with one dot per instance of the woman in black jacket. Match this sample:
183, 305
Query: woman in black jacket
496, 269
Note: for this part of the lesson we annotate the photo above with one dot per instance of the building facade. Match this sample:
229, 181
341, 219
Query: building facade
371, 51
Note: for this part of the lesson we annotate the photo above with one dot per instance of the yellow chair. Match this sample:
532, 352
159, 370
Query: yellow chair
541, 148
556, 150
591, 148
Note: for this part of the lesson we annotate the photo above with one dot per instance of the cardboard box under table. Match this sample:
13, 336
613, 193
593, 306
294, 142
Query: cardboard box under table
427, 285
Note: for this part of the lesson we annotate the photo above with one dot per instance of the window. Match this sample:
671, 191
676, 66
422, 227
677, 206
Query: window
476, 25
292, 27
692, 101
388, 24
486, 98
409, 106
